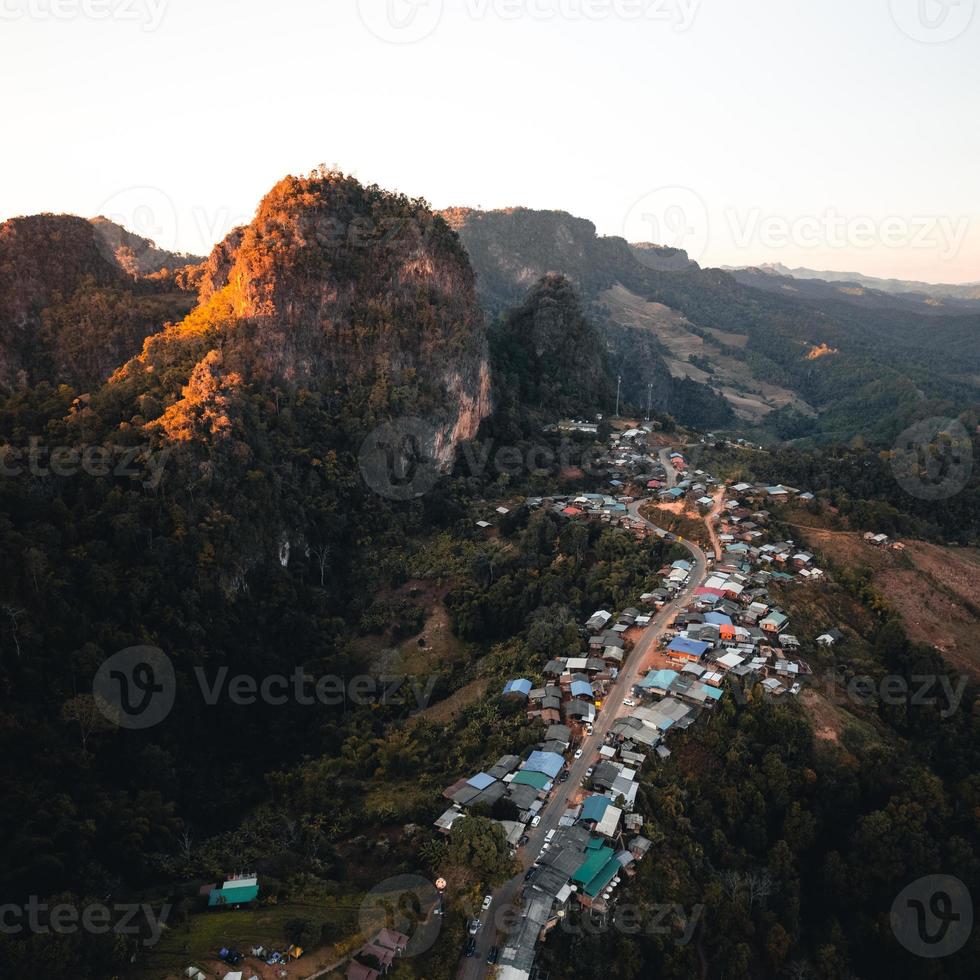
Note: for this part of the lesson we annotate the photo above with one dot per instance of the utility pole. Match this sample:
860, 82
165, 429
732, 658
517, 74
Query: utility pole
619, 384
649, 399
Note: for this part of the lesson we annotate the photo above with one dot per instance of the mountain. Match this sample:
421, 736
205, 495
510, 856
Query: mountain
864, 291
514, 248
213, 506
333, 287
966, 291
70, 309
549, 360
136, 255
724, 352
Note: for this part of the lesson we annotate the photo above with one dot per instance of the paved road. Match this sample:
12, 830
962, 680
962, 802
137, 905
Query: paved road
509, 894
664, 456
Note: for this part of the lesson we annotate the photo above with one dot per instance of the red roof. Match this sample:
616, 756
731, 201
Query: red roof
715, 592
573, 511
391, 939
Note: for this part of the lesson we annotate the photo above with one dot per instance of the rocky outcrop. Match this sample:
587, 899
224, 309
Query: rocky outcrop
337, 287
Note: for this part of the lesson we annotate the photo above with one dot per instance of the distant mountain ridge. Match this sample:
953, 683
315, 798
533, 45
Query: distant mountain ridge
956, 290
860, 290
679, 332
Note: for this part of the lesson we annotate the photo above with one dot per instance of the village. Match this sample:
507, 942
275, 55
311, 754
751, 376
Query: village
570, 808
713, 624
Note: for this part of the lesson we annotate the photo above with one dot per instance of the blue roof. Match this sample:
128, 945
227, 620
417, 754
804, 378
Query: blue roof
681, 563
519, 686
481, 781
659, 678
717, 619
548, 762
594, 807
675, 492
582, 689
713, 692
694, 648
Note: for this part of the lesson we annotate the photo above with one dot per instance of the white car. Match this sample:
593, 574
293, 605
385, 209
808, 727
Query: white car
535, 820
578, 753
630, 703
487, 902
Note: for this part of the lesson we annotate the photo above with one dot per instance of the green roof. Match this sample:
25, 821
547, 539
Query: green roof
233, 896
595, 862
536, 779
606, 874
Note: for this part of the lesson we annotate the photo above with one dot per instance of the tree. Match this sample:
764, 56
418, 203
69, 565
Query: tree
83, 710
481, 845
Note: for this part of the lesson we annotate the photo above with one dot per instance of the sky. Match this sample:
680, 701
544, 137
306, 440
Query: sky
825, 133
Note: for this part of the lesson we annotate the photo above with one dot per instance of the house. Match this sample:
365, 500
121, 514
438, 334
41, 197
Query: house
686, 649
549, 763
520, 686
775, 622
598, 620
831, 637
236, 891
608, 825
358, 971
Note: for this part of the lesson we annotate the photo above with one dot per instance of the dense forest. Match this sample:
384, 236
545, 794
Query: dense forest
206, 499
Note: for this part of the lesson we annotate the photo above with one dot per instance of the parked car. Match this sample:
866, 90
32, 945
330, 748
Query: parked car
589, 771
531, 872
475, 926
471, 948
535, 820
629, 702
524, 839
492, 955
487, 902
578, 753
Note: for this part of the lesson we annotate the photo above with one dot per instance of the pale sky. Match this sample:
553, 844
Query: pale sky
829, 133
